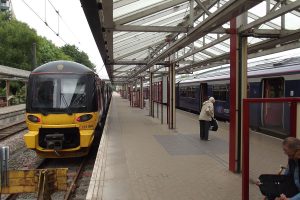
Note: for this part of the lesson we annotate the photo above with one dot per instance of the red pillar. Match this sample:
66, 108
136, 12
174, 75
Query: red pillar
233, 103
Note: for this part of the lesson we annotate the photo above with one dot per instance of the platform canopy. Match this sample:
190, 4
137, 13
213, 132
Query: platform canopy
135, 35
9, 73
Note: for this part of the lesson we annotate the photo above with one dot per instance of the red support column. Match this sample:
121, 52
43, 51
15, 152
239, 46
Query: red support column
168, 100
161, 103
245, 152
233, 103
293, 119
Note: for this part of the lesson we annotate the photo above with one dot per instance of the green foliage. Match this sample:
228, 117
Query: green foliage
2, 88
78, 56
19, 96
47, 51
16, 41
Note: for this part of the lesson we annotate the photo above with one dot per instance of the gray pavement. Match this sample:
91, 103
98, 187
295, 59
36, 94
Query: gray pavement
145, 160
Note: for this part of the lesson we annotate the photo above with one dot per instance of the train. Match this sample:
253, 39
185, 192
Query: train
66, 102
274, 79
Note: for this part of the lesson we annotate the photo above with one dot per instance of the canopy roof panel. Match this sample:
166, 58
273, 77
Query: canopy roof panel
135, 35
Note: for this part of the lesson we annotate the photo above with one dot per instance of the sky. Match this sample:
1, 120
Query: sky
72, 27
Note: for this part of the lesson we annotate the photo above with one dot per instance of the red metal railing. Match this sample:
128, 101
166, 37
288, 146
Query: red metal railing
245, 142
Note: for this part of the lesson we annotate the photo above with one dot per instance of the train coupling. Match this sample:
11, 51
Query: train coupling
54, 141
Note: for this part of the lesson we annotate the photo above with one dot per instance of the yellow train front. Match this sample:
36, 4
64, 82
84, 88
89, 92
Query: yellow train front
64, 106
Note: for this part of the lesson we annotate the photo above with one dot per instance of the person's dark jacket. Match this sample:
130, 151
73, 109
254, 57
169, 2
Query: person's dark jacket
290, 172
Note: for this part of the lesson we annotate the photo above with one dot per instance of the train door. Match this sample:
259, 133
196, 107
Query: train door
272, 115
203, 93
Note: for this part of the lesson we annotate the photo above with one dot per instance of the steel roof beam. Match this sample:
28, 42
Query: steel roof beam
121, 3
134, 28
91, 9
266, 33
147, 11
293, 36
229, 10
208, 53
138, 50
134, 62
132, 35
286, 47
120, 77
116, 71
107, 9
217, 41
271, 15
126, 42
294, 12
198, 12
125, 68
270, 24
203, 7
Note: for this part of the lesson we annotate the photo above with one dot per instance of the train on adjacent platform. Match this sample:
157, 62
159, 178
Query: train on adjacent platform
66, 102
270, 80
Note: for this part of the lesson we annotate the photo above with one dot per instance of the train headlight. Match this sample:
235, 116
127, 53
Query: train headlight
84, 118
33, 118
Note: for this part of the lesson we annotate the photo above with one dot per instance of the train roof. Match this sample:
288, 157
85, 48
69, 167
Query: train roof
62, 66
279, 67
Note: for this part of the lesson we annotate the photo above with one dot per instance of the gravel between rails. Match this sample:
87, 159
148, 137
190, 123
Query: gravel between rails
23, 158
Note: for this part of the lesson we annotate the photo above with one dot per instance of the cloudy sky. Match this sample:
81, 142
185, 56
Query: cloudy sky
71, 26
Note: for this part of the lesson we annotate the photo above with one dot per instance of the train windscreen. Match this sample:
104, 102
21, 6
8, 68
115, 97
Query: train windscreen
59, 93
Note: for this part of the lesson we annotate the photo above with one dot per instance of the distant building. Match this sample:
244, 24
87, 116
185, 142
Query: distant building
5, 5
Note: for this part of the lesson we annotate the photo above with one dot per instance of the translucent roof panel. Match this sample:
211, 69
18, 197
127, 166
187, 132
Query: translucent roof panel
289, 17
133, 7
140, 32
177, 13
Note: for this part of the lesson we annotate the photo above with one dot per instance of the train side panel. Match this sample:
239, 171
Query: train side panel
189, 97
255, 109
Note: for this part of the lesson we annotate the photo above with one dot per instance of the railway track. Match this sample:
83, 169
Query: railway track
77, 168
78, 175
12, 129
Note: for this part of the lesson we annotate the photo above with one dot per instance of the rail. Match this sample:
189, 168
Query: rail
295, 109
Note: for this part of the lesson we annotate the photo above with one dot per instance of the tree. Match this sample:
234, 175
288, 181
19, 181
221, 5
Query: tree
16, 39
47, 51
78, 56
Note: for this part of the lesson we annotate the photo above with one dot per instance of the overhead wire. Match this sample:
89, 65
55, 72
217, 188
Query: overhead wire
59, 16
57, 11
98, 71
44, 22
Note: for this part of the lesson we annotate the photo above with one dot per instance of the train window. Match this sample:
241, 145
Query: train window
189, 92
58, 93
273, 87
72, 92
272, 115
45, 93
220, 92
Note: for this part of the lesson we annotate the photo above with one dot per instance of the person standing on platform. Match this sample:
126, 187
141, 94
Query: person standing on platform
291, 147
206, 115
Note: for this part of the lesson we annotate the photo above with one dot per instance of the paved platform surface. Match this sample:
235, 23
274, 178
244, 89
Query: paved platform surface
11, 115
143, 160
10, 109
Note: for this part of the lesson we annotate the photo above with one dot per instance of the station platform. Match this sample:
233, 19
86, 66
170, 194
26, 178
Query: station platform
11, 109
140, 158
12, 114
